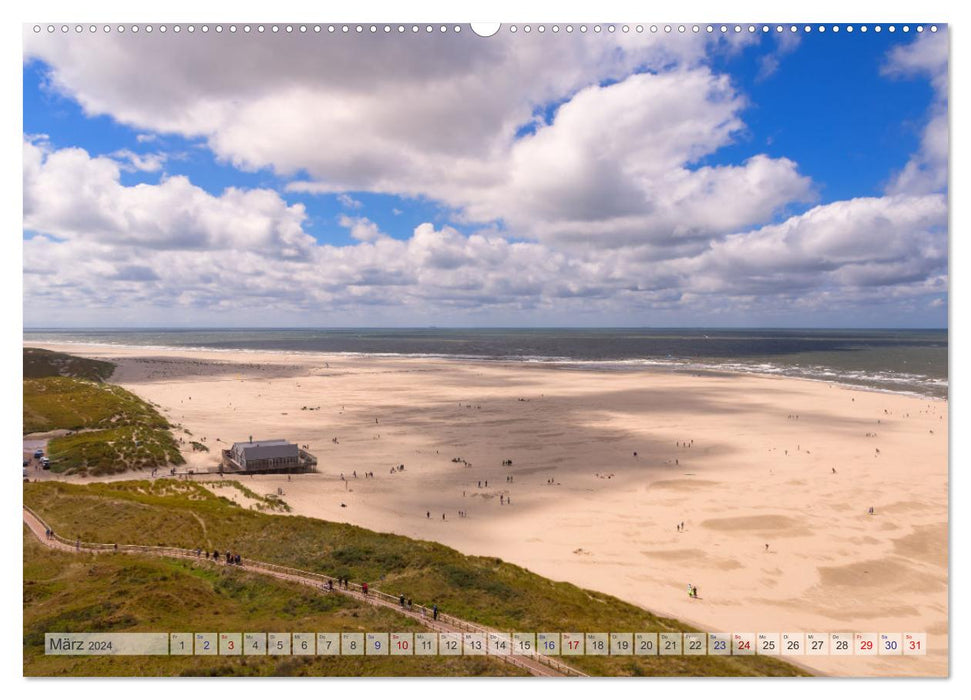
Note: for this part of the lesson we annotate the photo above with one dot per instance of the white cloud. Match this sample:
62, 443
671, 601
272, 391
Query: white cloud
926, 171
104, 252
145, 162
786, 43
437, 117
361, 228
610, 205
848, 245
348, 202
69, 194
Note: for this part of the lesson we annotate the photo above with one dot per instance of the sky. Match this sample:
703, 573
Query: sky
525, 179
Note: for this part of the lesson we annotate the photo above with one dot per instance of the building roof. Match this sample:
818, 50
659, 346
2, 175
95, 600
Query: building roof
266, 449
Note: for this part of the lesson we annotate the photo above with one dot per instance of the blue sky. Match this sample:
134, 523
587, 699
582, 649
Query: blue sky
425, 199
46, 111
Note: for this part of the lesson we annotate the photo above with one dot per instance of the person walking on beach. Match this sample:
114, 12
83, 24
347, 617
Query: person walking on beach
694, 592
766, 548
428, 514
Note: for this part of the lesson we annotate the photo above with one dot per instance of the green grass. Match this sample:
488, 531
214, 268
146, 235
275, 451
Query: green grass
74, 404
119, 430
480, 589
47, 363
113, 451
124, 593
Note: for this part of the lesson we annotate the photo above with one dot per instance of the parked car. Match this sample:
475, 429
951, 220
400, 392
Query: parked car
38, 453
45, 463
26, 462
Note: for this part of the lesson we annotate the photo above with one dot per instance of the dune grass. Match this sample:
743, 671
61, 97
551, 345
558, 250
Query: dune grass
47, 363
480, 589
124, 593
119, 431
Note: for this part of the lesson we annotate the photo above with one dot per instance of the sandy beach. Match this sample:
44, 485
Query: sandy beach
772, 478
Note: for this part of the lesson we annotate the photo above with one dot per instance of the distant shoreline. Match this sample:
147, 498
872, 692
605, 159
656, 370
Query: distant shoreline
549, 362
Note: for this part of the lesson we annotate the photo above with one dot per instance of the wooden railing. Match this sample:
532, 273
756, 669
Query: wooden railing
427, 614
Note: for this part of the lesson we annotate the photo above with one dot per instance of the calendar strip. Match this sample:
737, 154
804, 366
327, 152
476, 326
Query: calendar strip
487, 644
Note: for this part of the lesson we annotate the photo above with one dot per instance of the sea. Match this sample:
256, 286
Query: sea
901, 361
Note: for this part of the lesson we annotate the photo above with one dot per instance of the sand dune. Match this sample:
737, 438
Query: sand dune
718, 453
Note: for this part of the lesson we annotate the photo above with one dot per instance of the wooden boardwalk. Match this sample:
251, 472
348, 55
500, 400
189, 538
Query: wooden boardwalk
535, 664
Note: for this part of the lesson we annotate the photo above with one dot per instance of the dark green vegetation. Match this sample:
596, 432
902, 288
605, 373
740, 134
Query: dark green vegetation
479, 589
112, 429
124, 593
47, 363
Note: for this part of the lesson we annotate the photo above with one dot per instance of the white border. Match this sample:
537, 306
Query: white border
762, 11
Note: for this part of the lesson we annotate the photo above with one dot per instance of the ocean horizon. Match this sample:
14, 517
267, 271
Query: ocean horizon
909, 361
